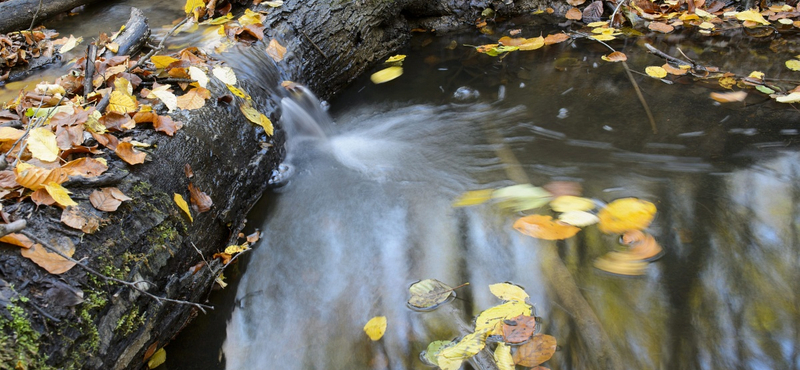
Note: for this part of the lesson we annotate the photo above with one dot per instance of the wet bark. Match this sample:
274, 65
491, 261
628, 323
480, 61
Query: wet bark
20, 14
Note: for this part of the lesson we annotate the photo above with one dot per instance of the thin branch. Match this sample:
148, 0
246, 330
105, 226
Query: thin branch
314, 44
13, 227
89, 70
155, 50
614, 14
132, 285
33, 21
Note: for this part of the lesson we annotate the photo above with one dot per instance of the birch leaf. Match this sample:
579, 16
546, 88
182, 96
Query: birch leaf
190, 6
275, 50
42, 144
182, 205
656, 72
193, 99
52, 262
78, 218
791, 98
71, 43
168, 98
225, 74
429, 294
753, 16
568, 203
540, 349
467, 347
199, 75
60, 194
161, 355
256, 117
578, 218
489, 318
626, 214
521, 197
502, 356
162, 61
386, 75
430, 354
509, 292
129, 154
104, 200
121, 103
375, 327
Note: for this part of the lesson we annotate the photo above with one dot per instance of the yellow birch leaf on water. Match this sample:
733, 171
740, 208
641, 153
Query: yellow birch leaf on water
249, 17
615, 57
467, 347
375, 327
121, 103
430, 354
59, 194
752, 15
793, 64
167, 97
503, 358
182, 205
42, 144
655, 71
489, 318
428, 294
275, 50
386, 75
532, 44
199, 75
729, 97
626, 214
162, 61
578, 218
473, 197
396, 58
256, 117
791, 98
445, 363
71, 43
160, 356
621, 263
225, 74
190, 6
602, 37
509, 292
543, 227
757, 75
52, 262
597, 24
566, 203
238, 92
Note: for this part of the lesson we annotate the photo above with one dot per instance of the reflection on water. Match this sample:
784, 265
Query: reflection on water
368, 213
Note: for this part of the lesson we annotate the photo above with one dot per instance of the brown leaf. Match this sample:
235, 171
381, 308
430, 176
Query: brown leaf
81, 219
107, 140
593, 12
104, 200
642, 245
555, 38
129, 154
518, 329
69, 128
674, 71
8, 179
166, 125
187, 169
34, 178
193, 99
574, 14
226, 258
615, 56
118, 194
543, 227
199, 199
42, 198
252, 238
17, 239
150, 351
52, 262
660, 27
275, 50
540, 349
729, 97
116, 121
149, 117
85, 167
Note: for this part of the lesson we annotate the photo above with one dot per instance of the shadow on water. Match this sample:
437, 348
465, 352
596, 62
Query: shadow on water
368, 211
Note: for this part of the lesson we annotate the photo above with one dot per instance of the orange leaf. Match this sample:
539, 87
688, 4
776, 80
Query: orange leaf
643, 245
193, 99
226, 258
17, 239
275, 50
540, 349
555, 38
200, 199
574, 14
129, 154
520, 331
166, 125
86, 167
104, 200
660, 27
42, 197
729, 97
615, 57
252, 238
81, 219
674, 71
34, 178
52, 262
543, 227
626, 214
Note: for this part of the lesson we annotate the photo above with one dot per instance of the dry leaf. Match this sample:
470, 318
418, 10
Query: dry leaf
162, 61
34, 178
104, 200
199, 75
167, 125
555, 38
615, 57
540, 349
429, 294
193, 99
42, 144
729, 97
275, 50
252, 238
52, 262
167, 97
752, 15
81, 219
574, 14
674, 71
85, 167
182, 205
59, 194
543, 227
518, 329
375, 327
42, 198
199, 199
121, 103
626, 214
660, 27
17, 239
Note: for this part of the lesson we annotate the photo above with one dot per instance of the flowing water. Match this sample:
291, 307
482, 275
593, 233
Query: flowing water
367, 211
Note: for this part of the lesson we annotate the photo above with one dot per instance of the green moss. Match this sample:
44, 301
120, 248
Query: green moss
19, 341
162, 234
141, 188
129, 323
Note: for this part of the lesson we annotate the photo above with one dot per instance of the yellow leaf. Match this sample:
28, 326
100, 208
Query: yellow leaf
219, 20
509, 292
707, 25
597, 24
249, 17
566, 203
445, 363
752, 15
123, 85
112, 46
42, 144
168, 98
238, 92
602, 37
182, 205
791, 98
757, 75
34, 178
578, 218
199, 75
467, 347
10, 134
489, 318
386, 75
162, 61
375, 327
221, 281
655, 71
190, 6
233, 249
521, 197
225, 74
121, 103
532, 43
626, 214
503, 358
793, 64
59, 194
396, 58
727, 82
256, 117
275, 50
160, 356
428, 294
71, 43
474, 197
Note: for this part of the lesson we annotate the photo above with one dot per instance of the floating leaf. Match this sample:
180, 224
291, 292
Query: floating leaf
386, 74
793, 64
764, 89
489, 318
621, 263
495, 49
275, 50
121, 103
428, 294
161, 355
162, 61
59, 194
129, 154
429, 354
578, 218
642, 245
375, 327
729, 97
256, 117
182, 205
568, 203
509, 292
396, 58
626, 214
467, 347
78, 218
473, 197
199, 75
543, 227
52, 262
225, 74
707, 25
502, 355
752, 15
574, 14
540, 349
556, 38
602, 37
42, 144
655, 71
521, 197
660, 27
615, 57
674, 71
519, 329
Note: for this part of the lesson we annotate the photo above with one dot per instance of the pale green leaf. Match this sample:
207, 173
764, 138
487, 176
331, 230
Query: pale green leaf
521, 197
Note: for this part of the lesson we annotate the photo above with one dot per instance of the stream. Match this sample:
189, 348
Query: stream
368, 209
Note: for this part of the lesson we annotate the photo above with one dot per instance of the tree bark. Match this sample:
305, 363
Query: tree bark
20, 14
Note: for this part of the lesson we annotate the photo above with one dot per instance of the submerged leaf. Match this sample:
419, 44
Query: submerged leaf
375, 327
160, 356
621, 263
543, 227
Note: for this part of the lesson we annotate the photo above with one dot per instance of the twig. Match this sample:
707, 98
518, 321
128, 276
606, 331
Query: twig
33, 21
169, 80
614, 14
13, 227
156, 49
315, 45
129, 284
670, 58
203, 257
